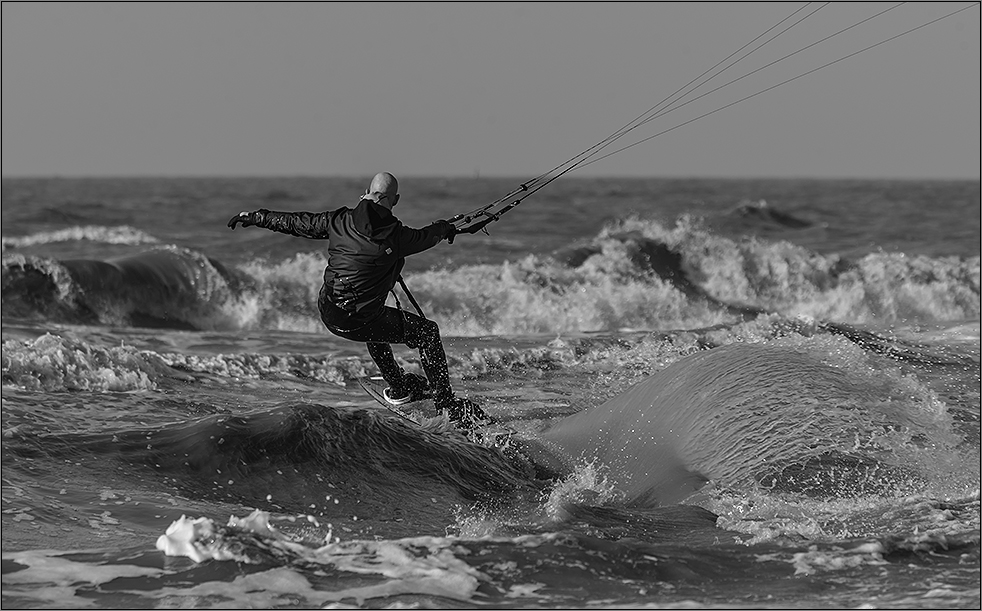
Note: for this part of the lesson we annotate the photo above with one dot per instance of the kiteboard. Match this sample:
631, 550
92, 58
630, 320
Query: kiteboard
489, 433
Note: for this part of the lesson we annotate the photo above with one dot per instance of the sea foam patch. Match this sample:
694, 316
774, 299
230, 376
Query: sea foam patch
420, 565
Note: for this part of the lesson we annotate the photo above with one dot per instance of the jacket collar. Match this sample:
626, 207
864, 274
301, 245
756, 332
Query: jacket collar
374, 220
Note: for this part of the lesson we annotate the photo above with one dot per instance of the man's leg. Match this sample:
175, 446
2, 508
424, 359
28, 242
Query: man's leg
376, 332
392, 326
381, 353
424, 334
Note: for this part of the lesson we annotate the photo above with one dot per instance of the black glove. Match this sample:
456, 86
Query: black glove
248, 219
448, 229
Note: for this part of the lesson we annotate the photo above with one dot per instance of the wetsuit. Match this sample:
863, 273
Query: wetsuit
367, 250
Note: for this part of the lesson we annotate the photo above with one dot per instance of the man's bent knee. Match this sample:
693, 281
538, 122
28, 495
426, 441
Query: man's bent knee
422, 332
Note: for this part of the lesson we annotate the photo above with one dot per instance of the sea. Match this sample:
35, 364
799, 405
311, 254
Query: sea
726, 393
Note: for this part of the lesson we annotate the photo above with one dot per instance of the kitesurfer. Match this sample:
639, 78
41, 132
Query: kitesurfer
367, 250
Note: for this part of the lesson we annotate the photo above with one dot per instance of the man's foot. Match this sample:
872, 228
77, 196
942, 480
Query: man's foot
413, 388
466, 414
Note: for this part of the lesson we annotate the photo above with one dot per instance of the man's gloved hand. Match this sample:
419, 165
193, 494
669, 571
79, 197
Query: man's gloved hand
248, 219
448, 230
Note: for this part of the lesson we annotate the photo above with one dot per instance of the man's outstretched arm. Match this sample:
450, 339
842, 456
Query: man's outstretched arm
301, 224
411, 241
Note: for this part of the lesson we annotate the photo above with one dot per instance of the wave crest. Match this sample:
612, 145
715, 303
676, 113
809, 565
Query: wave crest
122, 234
56, 363
634, 274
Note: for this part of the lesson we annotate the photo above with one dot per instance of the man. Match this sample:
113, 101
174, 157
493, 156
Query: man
367, 250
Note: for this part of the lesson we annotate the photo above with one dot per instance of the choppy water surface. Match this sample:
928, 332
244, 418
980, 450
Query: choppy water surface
727, 393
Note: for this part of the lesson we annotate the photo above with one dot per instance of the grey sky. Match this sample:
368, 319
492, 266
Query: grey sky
509, 89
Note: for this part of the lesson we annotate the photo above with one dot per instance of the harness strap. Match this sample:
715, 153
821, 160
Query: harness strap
409, 329
409, 294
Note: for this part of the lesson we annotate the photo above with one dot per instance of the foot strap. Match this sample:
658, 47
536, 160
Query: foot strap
397, 400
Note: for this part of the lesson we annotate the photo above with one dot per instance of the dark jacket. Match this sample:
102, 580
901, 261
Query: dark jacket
368, 248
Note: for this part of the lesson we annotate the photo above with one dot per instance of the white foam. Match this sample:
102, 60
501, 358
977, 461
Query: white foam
52, 580
434, 571
122, 234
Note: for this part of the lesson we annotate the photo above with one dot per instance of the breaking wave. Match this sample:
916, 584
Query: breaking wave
634, 275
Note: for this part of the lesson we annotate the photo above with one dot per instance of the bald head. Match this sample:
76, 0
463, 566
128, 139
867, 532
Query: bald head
384, 184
